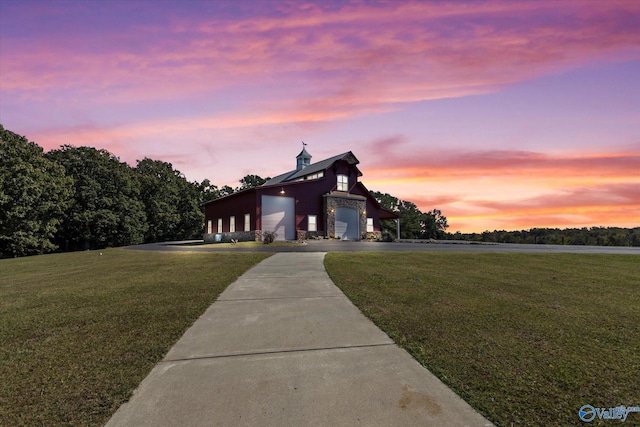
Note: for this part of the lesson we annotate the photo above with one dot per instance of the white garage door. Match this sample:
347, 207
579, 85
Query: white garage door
278, 214
347, 223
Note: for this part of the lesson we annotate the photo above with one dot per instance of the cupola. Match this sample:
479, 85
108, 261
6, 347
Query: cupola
303, 159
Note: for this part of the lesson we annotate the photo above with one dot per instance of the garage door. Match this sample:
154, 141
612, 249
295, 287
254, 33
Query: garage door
347, 223
278, 214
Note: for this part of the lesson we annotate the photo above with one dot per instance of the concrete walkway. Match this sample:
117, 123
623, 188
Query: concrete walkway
283, 346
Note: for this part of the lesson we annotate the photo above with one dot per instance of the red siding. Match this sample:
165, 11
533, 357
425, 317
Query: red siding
372, 204
236, 205
309, 193
308, 196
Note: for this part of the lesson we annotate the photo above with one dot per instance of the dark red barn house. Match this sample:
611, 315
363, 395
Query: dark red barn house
316, 199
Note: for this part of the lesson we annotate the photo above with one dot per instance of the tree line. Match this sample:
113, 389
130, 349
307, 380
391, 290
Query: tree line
77, 198
414, 224
594, 236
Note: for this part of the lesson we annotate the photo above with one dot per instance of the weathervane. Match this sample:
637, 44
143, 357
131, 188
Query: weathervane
303, 144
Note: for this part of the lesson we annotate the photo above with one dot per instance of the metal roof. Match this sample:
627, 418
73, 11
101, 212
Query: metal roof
304, 153
312, 168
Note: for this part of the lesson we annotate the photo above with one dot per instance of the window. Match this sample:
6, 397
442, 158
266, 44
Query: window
343, 183
312, 223
209, 227
316, 175
369, 225
232, 224
219, 225
247, 222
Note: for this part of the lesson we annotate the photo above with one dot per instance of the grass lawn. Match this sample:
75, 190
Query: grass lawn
526, 339
79, 331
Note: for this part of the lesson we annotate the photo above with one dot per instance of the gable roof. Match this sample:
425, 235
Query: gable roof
384, 212
312, 168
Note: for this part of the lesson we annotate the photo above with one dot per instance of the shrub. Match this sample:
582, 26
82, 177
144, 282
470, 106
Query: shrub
386, 237
268, 237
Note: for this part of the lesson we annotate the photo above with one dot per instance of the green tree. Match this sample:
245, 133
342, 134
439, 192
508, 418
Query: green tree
34, 193
207, 191
434, 225
226, 191
106, 208
171, 202
413, 223
388, 227
411, 226
251, 181
600, 236
386, 200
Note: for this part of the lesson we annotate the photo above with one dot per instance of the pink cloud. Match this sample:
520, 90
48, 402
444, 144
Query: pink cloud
609, 196
511, 189
409, 162
358, 55
290, 68
606, 205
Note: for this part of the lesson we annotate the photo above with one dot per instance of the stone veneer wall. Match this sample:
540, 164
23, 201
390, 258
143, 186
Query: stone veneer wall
333, 201
305, 235
240, 236
373, 235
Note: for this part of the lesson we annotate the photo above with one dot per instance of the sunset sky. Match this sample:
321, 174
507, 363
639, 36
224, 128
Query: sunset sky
502, 114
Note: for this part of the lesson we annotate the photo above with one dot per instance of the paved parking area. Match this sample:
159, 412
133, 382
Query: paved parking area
439, 246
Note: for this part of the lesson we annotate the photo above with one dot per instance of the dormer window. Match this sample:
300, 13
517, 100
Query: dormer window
343, 183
